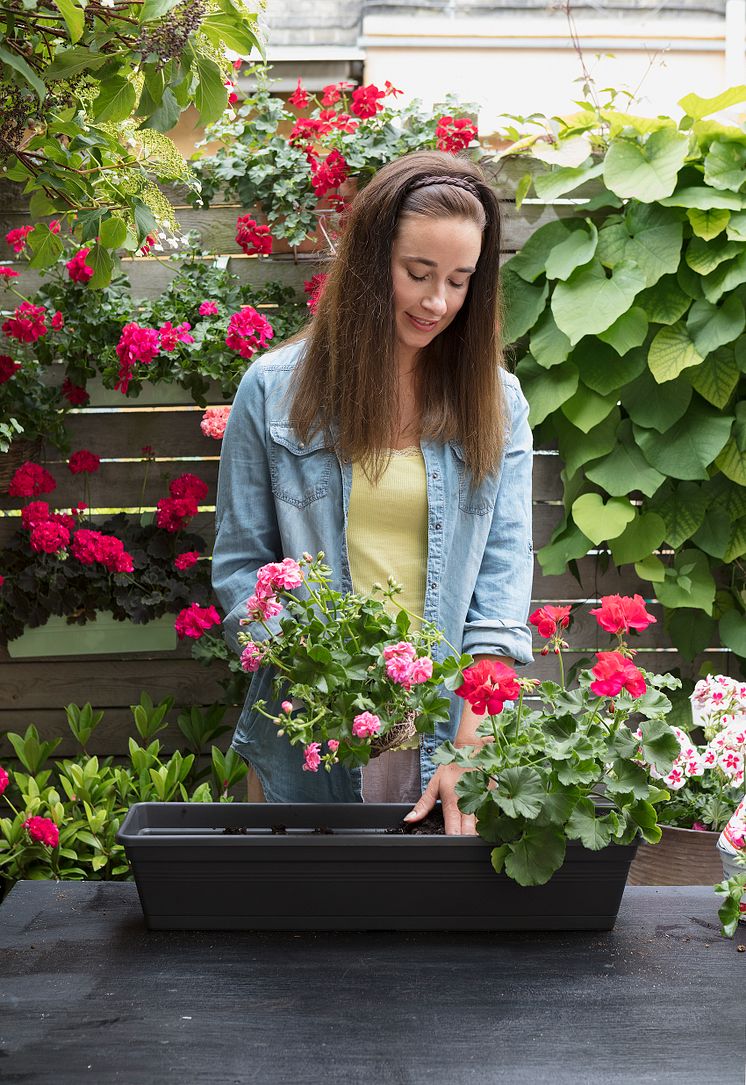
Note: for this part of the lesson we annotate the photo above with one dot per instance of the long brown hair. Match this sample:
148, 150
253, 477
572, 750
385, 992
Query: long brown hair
348, 376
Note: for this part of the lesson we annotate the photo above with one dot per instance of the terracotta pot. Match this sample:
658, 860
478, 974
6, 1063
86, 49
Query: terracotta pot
683, 857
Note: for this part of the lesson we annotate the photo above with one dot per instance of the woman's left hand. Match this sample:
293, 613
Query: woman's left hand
443, 787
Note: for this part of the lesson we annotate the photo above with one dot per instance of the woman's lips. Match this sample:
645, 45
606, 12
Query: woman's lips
422, 325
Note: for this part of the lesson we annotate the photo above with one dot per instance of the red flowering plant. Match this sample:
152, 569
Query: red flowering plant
290, 160
555, 764
136, 567
352, 676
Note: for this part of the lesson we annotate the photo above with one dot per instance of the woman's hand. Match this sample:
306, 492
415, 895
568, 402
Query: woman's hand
443, 787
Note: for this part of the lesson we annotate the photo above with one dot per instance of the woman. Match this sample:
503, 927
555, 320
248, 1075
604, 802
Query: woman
390, 437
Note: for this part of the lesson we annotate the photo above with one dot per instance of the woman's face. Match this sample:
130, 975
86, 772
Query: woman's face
432, 261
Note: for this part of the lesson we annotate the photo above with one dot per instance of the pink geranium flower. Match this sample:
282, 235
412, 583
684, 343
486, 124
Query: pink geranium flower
365, 725
312, 757
4, 779
195, 620
77, 268
186, 560
487, 685
208, 308
214, 421
27, 324
169, 336
42, 831
248, 331
251, 658
17, 238
548, 619
614, 672
285, 574
620, 613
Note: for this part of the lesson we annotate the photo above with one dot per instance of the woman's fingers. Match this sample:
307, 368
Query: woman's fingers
424, 804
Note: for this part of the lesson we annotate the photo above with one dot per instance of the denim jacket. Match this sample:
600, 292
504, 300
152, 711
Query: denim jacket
278, 497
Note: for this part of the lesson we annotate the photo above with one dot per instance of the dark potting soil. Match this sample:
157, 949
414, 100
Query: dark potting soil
432, 825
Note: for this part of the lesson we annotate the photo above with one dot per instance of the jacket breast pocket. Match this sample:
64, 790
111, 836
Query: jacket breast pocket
472, 499
300, 471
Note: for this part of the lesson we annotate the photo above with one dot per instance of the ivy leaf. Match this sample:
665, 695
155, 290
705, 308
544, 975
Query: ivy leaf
600, 520
545, 390
589, 302
523, 303
688, 448
688, 583
716, 378
645, 534
548, 345
672, 351
645, 171
708, 224
583, 825
577, 249
534, 858
625, 462
627, 332
711, 326
519, 792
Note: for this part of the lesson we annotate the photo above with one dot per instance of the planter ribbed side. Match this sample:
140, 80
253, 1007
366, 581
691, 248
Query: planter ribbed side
103, 636
683, 857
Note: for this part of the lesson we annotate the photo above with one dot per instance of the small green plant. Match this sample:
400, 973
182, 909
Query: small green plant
732, 909
63, 816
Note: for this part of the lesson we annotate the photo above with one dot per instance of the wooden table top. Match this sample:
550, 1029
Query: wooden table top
88, 994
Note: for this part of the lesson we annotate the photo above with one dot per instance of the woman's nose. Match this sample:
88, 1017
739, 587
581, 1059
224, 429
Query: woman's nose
435, 303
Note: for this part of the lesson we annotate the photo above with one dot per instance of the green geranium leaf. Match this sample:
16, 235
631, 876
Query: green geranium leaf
627, 332
577, 249
733, 632
600, 520
646, 406
708, 224
688, 448
645, 534
724, 165
625, 462
583, 825
672, 351
645, 171
497, 858
602, 369
653, 704
589, 302
530, 262
696, 107
716, 378
545, 390
534, 858
683, 511
548, 345
732, 462
711, 326
660, 746
664, 303
629, 779
519, 792
524, 303
688, 583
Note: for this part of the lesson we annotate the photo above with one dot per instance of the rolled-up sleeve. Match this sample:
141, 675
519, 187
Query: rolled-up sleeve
246, 530
498, 612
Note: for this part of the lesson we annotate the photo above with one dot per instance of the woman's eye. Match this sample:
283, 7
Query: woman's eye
417, 278
459, 286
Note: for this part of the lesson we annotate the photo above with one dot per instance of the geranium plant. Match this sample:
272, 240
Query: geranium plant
286, 157
59, 819
352, 676
557, 764
60, 562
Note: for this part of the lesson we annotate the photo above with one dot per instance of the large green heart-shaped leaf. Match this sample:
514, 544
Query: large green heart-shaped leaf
589, 302
732, 462
569, 545
523, 304
600, 367
640, 538
724, 278
625, 462
733, 632
736, 545
545, 390
577, 249
646, 171
577, 448
711, 326
648, 235
534, 858
558, 182
531, 261
601, 520
690, 630
736, 230
688, 448
688, 583
548, 345
696, 107
704, 256
664, 303
682, 507
708, 224
725, 164
646, 406
706, 199
627, 332
587, 408
714, 533
672, 351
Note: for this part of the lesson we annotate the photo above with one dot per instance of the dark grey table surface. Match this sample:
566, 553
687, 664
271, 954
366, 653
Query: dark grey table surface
88, 994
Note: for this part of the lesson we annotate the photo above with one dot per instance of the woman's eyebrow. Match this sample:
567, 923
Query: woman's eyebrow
433, 263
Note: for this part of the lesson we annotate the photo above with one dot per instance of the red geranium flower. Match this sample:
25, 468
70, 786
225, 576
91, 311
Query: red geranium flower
74, 393
195, 620
8, 273
548, 618
89, 546
169, 337
17, 238
49, 537
84, 462
487, 685
613, 673
136, 345
4, 778
189, 486
366, 101
620, 613
253, 238
248, 331
186, 560
42, 831
7, 367
78, 270
328, 174
27, 323
174, 513
314, 288
58, 321
455, 134
299, 98
30, 480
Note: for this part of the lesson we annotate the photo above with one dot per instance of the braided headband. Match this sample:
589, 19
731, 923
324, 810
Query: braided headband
456, 182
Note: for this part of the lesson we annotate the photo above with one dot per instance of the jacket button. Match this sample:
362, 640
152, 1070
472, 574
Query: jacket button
301, 445
438, 527
433, 585
435, 474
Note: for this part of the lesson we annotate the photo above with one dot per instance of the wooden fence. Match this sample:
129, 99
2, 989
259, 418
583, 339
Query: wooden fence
36, 690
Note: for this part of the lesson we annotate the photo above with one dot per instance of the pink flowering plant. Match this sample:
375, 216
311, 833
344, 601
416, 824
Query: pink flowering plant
350, 672
62, 562
557, 764
291, 159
